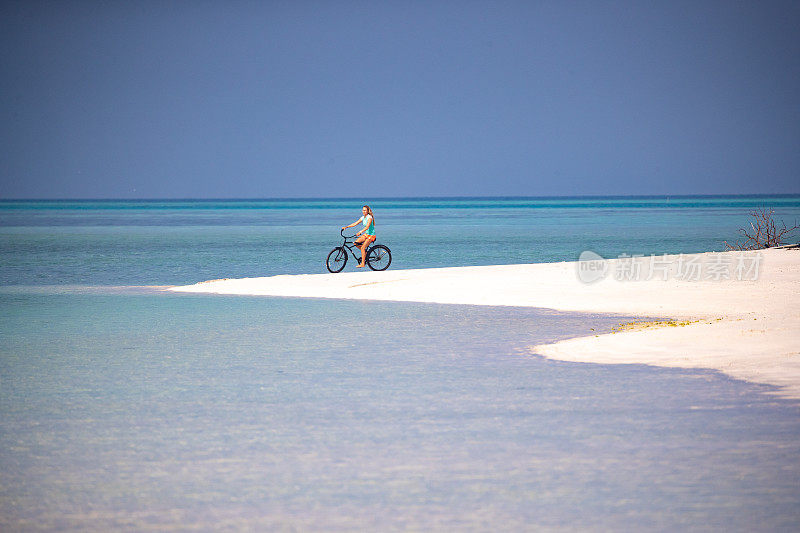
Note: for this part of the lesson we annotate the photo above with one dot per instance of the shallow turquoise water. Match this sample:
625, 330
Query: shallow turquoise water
139, 411
181, 242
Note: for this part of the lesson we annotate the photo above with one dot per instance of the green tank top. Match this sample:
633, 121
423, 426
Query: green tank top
371, 229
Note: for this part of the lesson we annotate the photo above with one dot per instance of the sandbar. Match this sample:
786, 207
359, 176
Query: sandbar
735, 312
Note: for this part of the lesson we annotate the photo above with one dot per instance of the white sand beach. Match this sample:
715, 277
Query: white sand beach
735, 312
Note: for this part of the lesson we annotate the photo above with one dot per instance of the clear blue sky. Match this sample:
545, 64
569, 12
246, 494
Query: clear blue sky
202, 99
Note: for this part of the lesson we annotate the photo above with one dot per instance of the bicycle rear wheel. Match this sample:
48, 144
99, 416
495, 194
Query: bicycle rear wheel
336, 260
379, 257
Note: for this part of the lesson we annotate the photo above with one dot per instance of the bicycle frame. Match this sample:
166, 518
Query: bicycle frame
350, 245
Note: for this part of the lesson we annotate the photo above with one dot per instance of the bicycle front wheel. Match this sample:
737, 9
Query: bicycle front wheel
379, 257
336, 260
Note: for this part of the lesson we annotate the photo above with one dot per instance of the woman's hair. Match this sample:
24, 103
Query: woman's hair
369, 212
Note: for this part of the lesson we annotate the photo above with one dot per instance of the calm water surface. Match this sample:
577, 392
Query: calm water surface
138, 411
182, 242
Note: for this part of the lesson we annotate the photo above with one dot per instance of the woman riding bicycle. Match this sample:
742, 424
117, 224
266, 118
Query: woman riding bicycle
368, 219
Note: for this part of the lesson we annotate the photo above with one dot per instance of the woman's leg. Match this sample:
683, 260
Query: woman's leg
358, 243
363, 247
367, 241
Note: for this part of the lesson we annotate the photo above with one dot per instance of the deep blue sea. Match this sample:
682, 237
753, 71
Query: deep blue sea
126, 408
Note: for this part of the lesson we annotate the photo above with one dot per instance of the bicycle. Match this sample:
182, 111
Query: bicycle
379, 257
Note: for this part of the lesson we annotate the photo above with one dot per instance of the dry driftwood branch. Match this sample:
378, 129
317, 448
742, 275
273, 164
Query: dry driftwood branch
763, 231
